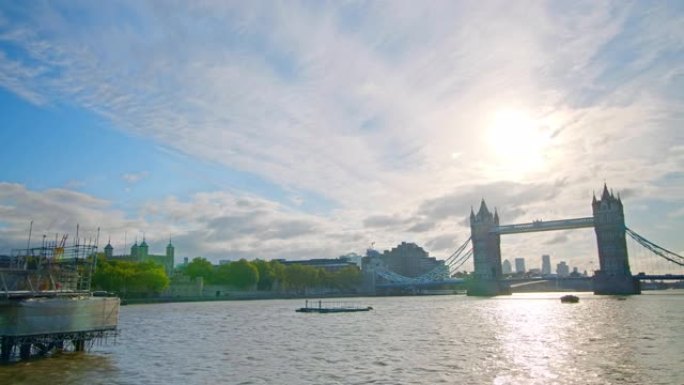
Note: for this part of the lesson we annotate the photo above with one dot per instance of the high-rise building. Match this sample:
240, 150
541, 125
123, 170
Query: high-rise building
506, 267
562, 269
520, 265
546, 264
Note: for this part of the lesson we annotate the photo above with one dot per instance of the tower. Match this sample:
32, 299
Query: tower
486, 253
614, 276
170, 256
109, 250
143, 250
135, 250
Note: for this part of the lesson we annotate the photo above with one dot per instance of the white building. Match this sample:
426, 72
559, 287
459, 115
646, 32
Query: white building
506, 267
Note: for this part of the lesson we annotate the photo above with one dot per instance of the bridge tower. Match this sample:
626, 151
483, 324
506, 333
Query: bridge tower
614, 276
486, 254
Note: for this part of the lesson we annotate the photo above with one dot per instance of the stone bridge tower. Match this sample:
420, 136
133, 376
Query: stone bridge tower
615, 276
486, 253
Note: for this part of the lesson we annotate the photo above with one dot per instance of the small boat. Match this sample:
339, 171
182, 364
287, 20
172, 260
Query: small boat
332, 307
569, 298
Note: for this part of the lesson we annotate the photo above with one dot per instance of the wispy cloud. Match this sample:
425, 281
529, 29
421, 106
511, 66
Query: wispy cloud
132, 178
364, 104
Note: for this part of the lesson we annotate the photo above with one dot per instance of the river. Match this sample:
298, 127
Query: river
518, 339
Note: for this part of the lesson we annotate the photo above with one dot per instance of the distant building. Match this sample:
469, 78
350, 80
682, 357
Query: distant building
140, 253
330, 264
353, 257
546, 265
506, 267
409, 260
562, 269
520, 265
534, 272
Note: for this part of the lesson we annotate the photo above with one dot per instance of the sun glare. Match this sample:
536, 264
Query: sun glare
518, 142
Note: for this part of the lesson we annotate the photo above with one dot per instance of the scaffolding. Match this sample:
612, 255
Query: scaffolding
46, 302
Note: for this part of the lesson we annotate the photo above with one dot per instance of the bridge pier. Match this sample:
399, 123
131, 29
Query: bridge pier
486, 254
615, 276
615, 285
487, 288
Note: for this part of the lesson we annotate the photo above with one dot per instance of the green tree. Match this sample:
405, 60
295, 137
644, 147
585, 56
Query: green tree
267, 273
301, 277
149, 278
125, 277
199, 267
278, 273
347, 278
242, 274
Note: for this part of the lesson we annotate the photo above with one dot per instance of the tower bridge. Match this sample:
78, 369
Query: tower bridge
613, 277
608, 221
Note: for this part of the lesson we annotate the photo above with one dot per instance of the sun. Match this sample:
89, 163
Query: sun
517, 142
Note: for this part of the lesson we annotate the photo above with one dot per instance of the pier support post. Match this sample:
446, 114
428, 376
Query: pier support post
6, 347
25, 351
79, 345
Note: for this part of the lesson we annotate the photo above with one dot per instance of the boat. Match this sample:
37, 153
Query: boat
46, 302
569, 298
332, 307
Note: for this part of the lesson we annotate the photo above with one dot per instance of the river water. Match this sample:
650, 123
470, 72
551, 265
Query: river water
518, 339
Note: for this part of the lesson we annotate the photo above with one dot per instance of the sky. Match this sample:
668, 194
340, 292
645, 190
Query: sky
314, 129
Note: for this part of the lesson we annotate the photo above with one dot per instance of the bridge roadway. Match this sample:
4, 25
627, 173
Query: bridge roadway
642, 277
659, 277
561, 224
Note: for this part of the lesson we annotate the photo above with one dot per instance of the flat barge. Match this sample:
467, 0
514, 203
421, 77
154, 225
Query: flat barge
331, 307
46, 304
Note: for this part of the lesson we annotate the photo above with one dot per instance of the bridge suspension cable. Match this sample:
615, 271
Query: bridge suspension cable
459, 262
457, 254
437, 274
660, 251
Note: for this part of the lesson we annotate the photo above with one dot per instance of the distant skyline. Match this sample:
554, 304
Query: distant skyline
313, 129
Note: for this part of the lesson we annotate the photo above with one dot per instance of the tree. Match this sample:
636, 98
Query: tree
199, 267
242, 274
267, 273
124, 277
301, 277
347, 278
149, 277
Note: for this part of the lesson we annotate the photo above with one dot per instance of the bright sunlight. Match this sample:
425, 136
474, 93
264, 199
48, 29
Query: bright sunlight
518, 142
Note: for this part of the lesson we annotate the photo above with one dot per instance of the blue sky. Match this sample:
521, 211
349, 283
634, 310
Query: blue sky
312, 129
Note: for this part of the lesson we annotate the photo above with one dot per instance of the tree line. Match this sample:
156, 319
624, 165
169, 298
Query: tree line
129, 278
272, 275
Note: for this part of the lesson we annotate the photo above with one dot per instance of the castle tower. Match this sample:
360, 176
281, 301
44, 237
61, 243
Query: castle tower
614, 276
170, 257
486, 253
143, 250
135, 250
109, 250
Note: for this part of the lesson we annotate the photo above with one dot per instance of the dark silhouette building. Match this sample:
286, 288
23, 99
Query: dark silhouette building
409, 260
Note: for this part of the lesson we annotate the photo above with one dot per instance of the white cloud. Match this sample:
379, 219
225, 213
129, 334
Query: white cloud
132, 178
381, 109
